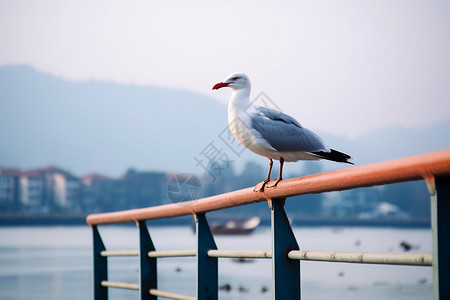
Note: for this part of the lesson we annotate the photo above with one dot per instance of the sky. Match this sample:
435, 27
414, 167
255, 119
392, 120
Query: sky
343, 67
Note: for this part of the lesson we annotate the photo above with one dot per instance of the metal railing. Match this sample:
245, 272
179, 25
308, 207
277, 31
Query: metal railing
285, 254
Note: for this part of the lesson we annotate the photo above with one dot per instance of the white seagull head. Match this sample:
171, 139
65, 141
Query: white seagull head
236, 81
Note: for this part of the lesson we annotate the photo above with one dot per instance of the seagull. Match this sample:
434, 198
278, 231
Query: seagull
271, 133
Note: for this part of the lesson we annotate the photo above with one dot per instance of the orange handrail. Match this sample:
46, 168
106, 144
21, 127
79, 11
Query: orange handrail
399, 170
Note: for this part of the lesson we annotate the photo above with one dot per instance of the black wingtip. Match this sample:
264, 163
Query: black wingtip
335, 155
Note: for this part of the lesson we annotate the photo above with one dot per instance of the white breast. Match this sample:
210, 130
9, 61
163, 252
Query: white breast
240, 125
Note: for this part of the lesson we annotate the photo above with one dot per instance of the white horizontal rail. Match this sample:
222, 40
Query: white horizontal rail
413, 259
120, 253
121, 285
240, 253
170, 295
173, 253
154, 292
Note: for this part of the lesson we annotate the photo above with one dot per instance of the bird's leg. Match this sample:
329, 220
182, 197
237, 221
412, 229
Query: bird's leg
260, 186
280, 174
270, 170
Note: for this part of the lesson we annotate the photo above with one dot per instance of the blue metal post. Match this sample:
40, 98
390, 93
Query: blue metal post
100, 266
207, 267
285, 271
148, 274
440, 218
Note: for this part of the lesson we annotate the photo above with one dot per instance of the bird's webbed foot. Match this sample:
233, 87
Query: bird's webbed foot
259, 187
274, 184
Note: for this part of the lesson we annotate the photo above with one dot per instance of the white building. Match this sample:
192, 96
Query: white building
65, 190
32, 189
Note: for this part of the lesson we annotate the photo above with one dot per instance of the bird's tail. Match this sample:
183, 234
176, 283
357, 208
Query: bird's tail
334, 155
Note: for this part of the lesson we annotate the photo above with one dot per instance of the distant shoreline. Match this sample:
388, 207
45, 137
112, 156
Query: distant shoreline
77, 219
67, 219
47, 219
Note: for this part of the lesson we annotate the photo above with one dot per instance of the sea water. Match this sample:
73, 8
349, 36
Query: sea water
45, 263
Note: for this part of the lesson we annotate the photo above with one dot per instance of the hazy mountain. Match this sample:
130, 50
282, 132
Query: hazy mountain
104, 127
395, 142
107, 128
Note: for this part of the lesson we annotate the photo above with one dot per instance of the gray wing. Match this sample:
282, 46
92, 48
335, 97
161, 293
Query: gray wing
285, 133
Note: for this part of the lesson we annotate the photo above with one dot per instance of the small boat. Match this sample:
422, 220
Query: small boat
235, 227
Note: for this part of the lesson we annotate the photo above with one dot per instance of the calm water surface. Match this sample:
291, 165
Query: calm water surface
56, 263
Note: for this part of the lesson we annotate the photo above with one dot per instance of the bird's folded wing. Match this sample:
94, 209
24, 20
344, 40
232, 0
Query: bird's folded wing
285, 133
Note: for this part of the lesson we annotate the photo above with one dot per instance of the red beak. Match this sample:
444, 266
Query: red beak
220, 85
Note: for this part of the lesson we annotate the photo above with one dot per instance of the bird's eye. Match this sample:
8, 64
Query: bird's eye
235, 78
